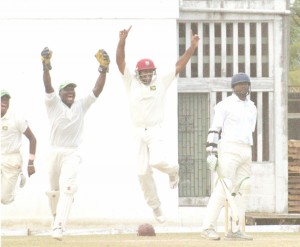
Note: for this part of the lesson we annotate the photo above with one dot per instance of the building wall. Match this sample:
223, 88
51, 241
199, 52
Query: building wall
236, 4
270, 177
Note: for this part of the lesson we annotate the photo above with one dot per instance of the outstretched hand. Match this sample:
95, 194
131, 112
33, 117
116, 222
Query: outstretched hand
124, 33
194, 39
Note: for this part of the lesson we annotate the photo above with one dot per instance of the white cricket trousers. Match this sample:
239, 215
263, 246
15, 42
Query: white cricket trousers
11, 167
151, 154
234, 161
63, 169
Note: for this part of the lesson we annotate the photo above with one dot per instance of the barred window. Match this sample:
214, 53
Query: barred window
227, 48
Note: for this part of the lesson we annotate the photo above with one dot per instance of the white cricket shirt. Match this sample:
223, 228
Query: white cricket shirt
66, 124
147, 102
236, 118
12, 129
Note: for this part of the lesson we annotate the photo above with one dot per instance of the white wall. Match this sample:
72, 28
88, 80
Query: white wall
108, 185
235, 4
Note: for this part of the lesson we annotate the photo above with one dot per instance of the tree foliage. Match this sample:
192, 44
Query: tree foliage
294, 50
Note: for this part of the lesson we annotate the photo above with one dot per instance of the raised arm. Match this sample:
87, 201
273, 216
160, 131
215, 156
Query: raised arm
104, 61
183, 60
46, 57
99, 85
120, 56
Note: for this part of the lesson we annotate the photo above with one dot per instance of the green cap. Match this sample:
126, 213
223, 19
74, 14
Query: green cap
4, 92
65, 84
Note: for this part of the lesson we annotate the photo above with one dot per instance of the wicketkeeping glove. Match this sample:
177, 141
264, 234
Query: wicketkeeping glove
212, 161
46, 57
103, 60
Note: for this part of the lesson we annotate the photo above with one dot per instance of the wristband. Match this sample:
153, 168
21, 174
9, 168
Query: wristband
31, 157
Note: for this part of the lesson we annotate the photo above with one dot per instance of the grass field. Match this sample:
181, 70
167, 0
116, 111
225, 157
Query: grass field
160, 240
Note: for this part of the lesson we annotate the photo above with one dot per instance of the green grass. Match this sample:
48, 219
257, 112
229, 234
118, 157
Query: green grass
160, 240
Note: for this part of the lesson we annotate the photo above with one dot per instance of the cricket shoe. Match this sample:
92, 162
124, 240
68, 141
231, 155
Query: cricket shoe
57, 234
158, 214
210, 234
174, 180
237, 236
22, 180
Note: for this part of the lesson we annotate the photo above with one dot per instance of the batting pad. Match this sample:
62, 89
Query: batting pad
63, 210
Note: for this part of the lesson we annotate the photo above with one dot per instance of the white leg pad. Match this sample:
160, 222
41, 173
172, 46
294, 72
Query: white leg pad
241, 199
63, 210
64, 206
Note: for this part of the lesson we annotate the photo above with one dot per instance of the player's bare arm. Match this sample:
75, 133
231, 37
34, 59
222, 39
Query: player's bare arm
47, 82
32, 149
46, 55
99, 85
183, 60
120, 56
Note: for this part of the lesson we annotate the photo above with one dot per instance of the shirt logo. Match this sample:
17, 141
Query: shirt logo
152, 88
5, 128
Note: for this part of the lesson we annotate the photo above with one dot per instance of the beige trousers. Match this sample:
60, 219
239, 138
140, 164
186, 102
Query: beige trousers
151, 154
11, 167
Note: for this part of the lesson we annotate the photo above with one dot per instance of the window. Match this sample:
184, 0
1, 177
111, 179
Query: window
228, 48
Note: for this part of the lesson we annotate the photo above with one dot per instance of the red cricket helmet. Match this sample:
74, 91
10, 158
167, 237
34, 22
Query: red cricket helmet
145, 63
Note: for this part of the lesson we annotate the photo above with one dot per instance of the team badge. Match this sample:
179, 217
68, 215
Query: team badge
152, 88
5, 128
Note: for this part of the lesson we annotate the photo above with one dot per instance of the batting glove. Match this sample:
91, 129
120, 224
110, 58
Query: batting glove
212, 161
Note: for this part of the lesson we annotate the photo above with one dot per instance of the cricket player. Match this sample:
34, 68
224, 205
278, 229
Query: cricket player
235, 117
147, 95
13, 127
66, 118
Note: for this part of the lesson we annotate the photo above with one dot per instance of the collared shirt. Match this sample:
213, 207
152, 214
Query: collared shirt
236, 118
66, 124
12, 129
147, 102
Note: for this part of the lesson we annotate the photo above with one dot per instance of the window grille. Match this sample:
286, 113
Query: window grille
226, 49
